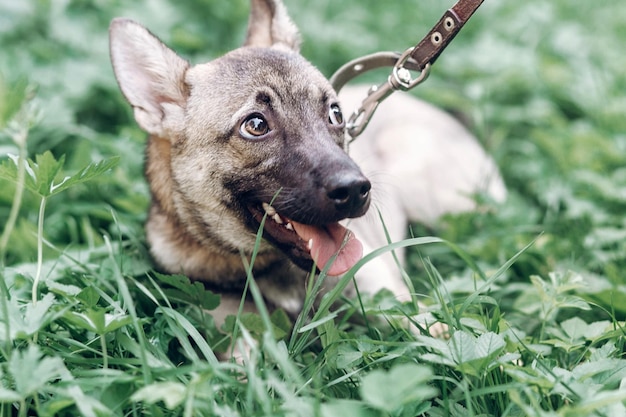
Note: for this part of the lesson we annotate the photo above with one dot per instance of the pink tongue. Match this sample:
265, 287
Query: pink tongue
327, 242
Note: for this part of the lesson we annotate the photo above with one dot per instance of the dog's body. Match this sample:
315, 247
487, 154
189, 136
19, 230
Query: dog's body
259, 131
423, 164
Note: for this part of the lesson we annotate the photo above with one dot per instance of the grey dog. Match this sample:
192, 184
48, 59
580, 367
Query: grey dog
260, 132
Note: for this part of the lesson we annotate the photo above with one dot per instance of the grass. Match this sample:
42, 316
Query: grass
533, 290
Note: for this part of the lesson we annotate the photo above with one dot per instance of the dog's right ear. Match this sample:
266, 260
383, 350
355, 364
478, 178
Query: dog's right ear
151, 77
269, 25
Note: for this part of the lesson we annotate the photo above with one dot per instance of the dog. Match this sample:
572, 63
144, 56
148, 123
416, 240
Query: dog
260, 133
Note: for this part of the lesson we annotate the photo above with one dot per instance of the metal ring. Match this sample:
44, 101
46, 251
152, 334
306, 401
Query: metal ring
398, 80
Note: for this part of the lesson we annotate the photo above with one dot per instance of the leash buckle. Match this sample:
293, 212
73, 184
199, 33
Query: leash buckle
402, 77
399, 79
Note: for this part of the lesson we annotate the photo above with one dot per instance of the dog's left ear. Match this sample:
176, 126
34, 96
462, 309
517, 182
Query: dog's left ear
270, 26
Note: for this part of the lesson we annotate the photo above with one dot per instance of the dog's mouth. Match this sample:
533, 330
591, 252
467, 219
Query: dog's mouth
308, 244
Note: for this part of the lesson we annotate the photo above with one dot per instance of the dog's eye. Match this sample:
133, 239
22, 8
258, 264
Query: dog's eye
335, 116
254, 127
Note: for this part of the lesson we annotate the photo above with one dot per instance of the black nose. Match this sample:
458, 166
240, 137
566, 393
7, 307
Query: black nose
349, 192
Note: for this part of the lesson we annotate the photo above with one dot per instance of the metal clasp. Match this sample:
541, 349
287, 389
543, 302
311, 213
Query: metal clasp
403, 77
359, 120
400, 79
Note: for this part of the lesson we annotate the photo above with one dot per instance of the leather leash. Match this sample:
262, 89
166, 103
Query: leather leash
417, 58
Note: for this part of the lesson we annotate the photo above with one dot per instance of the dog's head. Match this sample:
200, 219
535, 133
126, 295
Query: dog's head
256, 131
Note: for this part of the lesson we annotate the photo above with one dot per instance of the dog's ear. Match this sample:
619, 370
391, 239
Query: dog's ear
270, 26
151, 77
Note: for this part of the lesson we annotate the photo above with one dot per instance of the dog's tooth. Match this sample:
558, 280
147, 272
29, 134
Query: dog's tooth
277, 218
271, 211
289, 226
310, 245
